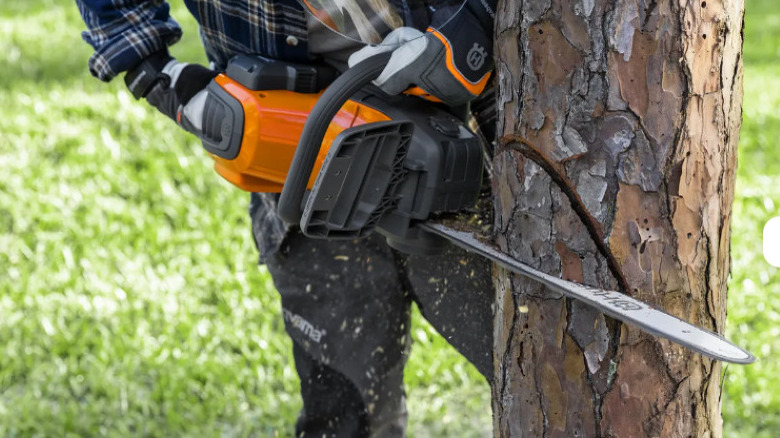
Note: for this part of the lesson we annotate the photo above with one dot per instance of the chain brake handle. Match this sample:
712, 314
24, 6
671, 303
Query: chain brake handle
290, 206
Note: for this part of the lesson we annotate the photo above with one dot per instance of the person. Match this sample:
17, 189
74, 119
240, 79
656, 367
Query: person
345, 304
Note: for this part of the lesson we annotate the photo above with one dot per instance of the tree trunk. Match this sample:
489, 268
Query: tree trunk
620, 121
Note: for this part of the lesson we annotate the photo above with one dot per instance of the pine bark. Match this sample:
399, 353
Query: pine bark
619, 121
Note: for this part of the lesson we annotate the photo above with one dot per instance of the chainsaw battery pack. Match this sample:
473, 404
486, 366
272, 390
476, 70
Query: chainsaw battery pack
223, 114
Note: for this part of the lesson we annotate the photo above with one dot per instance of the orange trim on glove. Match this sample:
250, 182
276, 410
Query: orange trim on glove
474, 88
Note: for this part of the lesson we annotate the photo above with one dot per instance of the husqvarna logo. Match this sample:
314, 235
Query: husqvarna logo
304, 326
476, 57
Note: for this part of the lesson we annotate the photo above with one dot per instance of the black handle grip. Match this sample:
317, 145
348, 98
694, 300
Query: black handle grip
222, 127
355, 78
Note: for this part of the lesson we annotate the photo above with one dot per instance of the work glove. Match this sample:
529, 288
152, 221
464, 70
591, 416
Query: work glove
451, 64
176, 89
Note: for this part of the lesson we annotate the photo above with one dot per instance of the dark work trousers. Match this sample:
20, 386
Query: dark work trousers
346, 306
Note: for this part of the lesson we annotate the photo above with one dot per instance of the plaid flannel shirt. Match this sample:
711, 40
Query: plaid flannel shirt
123, 32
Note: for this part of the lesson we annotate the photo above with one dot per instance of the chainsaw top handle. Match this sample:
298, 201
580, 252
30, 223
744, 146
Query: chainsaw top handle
334, 97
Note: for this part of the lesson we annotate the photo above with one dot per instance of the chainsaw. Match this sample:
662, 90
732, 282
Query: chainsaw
351, 160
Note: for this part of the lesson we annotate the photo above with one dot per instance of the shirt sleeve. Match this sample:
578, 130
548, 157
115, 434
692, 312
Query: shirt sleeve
124, 32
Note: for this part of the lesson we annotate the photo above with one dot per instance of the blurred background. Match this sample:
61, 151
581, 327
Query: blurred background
131, 303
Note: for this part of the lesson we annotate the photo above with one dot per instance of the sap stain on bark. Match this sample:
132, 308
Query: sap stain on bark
553, 58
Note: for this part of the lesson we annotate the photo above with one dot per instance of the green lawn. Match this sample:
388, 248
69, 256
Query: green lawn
128, 308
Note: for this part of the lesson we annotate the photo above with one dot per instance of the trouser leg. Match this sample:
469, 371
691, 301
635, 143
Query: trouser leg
454, 292
332, 405
345, 308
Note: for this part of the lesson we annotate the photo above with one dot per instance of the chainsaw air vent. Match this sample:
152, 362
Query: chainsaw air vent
305, 80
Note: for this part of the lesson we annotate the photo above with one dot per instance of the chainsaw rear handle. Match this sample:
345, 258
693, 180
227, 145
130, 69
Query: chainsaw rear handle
334, 97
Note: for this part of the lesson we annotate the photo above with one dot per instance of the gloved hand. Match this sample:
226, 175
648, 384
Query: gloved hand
176, 89
451, 64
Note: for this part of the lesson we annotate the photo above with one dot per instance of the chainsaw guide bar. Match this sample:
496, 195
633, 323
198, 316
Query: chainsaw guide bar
612, 303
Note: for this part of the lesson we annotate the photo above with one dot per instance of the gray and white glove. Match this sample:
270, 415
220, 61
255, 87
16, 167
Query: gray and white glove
449, 65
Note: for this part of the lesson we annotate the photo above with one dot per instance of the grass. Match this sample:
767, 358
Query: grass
131, 303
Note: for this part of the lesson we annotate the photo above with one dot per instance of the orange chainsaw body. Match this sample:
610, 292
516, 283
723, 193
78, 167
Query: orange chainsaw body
273, 122
362, 159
